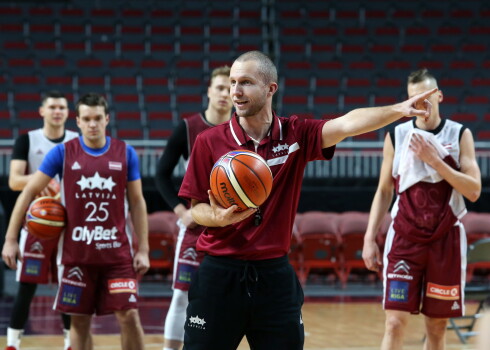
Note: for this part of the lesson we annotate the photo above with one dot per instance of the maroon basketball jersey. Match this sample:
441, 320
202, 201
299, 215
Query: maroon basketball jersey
94, 193
195, 124
427, 210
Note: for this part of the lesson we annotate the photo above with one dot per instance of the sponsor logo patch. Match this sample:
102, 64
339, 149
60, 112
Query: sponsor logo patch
184, 275
70, 295
122, 285
36, 247
75, 272
398, 291
438, 291
32, 267
190, 253
455, 306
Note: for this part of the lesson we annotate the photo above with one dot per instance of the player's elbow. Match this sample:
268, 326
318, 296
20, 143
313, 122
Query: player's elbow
473, 196
15, 185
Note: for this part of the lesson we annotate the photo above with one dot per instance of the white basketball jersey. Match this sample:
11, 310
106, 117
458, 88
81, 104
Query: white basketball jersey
40, 145
448, 136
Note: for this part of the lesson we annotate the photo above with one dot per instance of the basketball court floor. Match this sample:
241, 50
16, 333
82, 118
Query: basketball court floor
335, 319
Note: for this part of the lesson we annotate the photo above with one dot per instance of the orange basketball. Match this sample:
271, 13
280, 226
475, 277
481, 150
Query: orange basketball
45, 218
242, 178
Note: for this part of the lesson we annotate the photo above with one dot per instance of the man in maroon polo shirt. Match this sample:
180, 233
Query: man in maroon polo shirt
245, 285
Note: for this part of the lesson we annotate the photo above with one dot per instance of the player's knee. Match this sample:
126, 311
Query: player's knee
436, 327
395, 324
80, 323
128, 318
180, 299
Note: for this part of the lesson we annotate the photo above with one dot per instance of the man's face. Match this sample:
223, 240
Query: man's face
434, 99
248, 91
219, 94
92, 122
54, 111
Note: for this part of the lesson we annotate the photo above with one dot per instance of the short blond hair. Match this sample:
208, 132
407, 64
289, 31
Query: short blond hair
266, 67
222, 70
421, 75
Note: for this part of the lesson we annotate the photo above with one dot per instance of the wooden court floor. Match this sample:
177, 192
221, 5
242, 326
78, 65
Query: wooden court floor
328, 325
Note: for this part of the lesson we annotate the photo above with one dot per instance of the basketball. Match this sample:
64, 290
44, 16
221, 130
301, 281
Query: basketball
45, 218
242, 178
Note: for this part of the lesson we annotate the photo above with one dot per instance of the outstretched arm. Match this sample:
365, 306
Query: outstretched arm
362, 120
381, 203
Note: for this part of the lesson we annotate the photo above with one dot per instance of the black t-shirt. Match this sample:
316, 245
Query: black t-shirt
21, 146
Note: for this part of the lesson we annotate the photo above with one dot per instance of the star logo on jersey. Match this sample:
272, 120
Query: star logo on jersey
280, 148
96, 182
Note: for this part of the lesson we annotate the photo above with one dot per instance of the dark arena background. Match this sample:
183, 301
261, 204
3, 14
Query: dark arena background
152, 60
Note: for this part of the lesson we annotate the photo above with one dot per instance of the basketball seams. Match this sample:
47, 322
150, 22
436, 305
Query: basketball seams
228, 174
237, 187
256, 176
220, 199
45, 218
38, 220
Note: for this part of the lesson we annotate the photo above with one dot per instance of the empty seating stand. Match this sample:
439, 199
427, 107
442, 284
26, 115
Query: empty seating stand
349, 54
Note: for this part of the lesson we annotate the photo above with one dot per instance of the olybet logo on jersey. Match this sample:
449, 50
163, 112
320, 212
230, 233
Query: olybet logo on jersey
96, 188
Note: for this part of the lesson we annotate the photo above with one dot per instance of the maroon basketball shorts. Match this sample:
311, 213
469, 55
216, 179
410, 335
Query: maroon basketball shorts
187, 259
425, 277
89, 289
39, 259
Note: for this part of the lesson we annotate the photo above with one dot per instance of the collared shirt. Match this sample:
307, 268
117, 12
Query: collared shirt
289, 146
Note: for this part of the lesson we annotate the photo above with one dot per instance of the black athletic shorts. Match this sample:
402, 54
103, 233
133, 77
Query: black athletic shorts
230, 298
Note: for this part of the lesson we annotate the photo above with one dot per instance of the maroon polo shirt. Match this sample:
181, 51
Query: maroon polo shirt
288, 147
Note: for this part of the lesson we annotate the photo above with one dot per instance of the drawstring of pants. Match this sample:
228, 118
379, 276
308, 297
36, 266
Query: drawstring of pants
249, 274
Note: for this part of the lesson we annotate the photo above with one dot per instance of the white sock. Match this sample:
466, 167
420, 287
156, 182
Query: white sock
66, 337
13, 337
